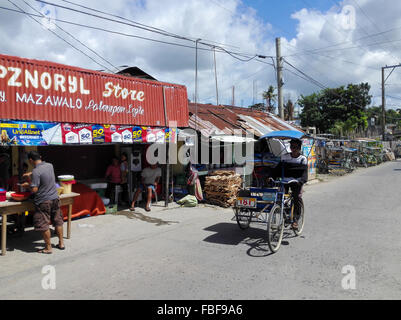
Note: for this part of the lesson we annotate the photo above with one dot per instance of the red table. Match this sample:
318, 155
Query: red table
87, 203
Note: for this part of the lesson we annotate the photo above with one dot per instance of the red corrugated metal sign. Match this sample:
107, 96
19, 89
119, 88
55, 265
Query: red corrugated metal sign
46, 91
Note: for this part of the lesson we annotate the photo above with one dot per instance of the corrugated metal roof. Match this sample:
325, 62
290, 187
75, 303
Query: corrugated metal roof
48, 91
214, 120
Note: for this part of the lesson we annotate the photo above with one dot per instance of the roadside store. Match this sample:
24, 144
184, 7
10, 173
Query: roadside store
79, 119
226, 126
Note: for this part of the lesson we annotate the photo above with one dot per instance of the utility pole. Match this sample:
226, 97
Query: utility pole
279, 61
233, 100
383, 107
384, 97
215, 75
196, 83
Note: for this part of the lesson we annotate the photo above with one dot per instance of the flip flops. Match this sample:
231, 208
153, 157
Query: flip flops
60, 248
132, 209
44, 251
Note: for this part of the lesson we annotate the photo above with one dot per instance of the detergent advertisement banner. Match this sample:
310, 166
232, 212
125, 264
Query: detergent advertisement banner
76, 133
29, 133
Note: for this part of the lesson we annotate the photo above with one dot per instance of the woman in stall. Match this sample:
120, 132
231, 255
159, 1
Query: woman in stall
113, 177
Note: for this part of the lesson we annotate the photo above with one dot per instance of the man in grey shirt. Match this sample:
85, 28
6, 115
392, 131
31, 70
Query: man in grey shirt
46, 201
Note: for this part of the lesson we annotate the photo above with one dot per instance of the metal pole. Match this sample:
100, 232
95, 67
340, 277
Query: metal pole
167, 193
383, 106
196, 83
279, 78
215, 75
167, 152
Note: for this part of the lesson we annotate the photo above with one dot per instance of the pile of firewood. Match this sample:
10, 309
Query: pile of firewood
221, 188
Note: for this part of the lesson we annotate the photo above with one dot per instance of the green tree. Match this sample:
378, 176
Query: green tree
335, 108
270, 97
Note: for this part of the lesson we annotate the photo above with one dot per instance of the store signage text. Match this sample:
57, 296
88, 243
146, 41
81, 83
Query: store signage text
122, 92
54, 101
45, 80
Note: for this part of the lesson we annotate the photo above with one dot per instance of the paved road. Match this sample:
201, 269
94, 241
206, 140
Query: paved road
200, 253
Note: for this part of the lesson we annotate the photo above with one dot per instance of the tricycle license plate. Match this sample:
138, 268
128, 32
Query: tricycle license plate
246, 202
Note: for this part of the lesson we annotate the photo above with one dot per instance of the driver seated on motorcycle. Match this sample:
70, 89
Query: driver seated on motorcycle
293, 165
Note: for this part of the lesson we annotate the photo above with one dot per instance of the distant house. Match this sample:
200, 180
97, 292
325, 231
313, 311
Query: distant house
136, 73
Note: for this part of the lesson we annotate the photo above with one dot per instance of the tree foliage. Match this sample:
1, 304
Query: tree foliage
270, 97
336, 109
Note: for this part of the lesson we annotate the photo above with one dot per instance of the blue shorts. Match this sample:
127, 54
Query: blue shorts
146, 186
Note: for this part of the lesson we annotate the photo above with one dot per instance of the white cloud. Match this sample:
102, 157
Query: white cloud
225, 22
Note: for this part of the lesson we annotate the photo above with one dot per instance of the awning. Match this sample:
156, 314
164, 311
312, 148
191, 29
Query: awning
232, 139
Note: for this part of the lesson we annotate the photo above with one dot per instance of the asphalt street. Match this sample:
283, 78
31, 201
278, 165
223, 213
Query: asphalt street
350, 249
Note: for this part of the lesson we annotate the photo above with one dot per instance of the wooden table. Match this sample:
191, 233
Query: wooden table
14, 207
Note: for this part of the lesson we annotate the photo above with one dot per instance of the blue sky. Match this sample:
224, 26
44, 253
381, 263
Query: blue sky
354, 53
278, 12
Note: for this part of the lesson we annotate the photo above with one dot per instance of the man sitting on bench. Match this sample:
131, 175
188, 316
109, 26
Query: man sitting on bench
150, 179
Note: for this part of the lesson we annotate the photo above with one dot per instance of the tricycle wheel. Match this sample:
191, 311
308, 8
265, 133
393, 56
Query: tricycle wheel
243, 217
275, 228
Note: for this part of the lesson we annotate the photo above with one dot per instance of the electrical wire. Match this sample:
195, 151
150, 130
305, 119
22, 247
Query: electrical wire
72, 36
141, 26
138, 23
58, 36
145, 38
305, 75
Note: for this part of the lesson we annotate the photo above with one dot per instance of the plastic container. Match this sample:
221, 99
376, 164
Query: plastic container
67, 186
20, 196
106, 201
3, 195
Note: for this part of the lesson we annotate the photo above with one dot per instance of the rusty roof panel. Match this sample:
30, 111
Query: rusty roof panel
225, 119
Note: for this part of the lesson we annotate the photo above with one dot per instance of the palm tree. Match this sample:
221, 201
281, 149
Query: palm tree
270, 97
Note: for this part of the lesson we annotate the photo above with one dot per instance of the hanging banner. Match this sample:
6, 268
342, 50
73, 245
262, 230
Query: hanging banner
137, 136
309, 150
171, 135
154, 135
76, 133
29, 133
98, 134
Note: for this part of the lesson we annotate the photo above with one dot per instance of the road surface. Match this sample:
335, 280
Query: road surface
350, 249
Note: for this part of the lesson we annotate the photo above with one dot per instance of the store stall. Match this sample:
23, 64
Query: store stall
78, 119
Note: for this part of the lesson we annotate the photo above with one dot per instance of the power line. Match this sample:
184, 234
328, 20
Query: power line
145, 38
141, 26
58, 36
306, 79
106, 30
138, 23
333, 58
375, 25
72, 36
305, 75
347, 42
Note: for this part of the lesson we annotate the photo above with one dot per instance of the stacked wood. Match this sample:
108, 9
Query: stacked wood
221, 188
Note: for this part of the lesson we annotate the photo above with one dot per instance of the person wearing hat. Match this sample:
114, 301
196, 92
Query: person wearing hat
294, 165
